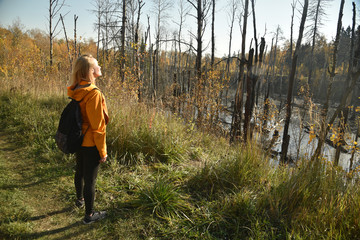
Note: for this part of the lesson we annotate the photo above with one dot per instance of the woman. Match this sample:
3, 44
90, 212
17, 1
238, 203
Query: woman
95, 117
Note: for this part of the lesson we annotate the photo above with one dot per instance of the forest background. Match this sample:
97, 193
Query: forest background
246, 97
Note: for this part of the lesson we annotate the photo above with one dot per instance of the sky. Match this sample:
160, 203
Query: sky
269, 15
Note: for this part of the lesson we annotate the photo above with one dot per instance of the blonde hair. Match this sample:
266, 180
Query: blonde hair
81, 69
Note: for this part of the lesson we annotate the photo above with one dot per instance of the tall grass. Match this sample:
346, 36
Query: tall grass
317, 200
32, 121
185, 184
233, 170
137, 133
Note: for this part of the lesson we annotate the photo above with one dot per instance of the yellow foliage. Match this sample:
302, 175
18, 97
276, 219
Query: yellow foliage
312, 134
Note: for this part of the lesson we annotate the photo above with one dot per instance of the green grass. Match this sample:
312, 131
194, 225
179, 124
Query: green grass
162, 199
164, 180
138, 134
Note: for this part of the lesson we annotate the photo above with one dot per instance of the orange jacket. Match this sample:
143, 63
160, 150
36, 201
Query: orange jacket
94, 114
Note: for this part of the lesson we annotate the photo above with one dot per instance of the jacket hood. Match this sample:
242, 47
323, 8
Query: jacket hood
80, 91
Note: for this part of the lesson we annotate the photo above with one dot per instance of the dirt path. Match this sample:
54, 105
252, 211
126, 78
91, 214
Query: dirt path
37, 205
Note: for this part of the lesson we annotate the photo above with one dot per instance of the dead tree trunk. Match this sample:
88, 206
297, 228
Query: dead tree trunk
183, 12
249, 91
252, 78
51, 33
75, 47
268, 80
235, 131
345, 110
354, 150
122, 50
227, 74
213, 34
232, 19
317, 11
326, 127
156, 52
255, 37
293, 6
202, 7
200, 18
54, 8
315, 28
98, 16
137, 48
286, 136
67, 42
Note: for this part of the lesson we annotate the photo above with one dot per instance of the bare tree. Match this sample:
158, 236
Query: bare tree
67, 42
75, 38
316, 15
183, 11
140, 6
231, 18
109, 27
106, 26
345, 110
160, 9
272, 63
354, 62
179, 76
324, 127
235, 131
252, 77
122, 50
213, 34
202, 8
286, 137
97, 5
293, 6
54, 9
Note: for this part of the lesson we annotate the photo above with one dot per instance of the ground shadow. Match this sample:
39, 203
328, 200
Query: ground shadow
51, 232
64, 210
20, 186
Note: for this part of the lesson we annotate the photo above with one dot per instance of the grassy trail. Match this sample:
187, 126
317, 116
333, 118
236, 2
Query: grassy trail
33, 200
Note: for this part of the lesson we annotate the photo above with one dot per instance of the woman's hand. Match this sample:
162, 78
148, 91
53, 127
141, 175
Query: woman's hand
102, 160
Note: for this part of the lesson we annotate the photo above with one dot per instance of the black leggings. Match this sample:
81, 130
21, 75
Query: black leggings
87, 166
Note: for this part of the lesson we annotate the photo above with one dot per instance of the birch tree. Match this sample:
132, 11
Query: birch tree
54, 10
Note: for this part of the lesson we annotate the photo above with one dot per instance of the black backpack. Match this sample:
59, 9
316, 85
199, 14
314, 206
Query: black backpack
69, 136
